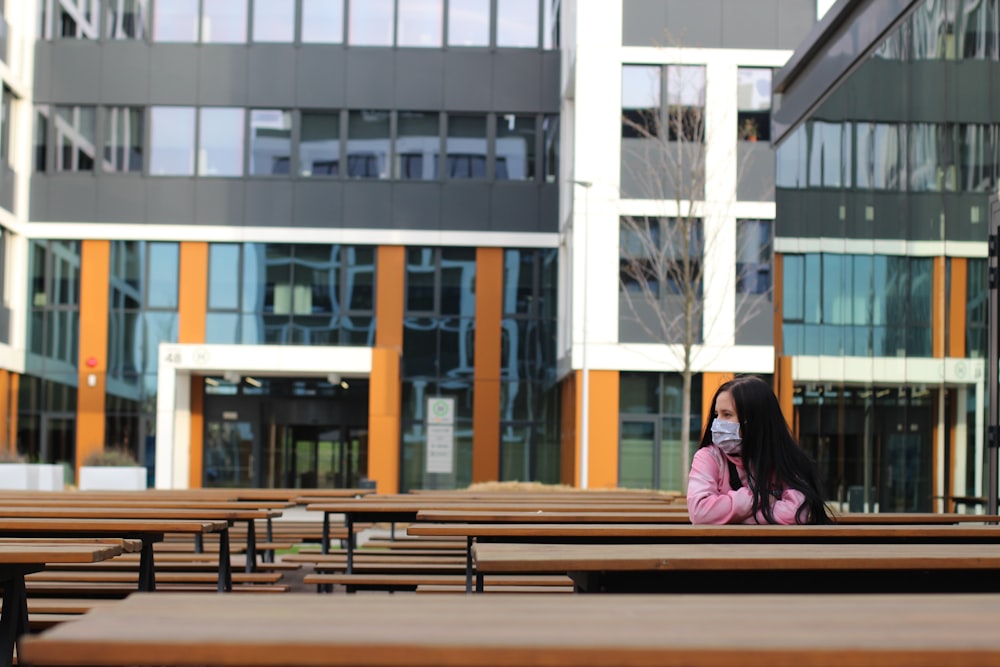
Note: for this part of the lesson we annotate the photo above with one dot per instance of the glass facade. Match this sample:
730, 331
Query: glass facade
882, 207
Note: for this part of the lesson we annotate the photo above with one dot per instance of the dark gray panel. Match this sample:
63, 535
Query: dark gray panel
76, 71
514, 207
967, 214
795, 18
222, 76
121, 198
321, 76
72, 197
38, 198
693, 24
174, 69
8, 178
754, 319
751, 24
517, 80
857, 225
468, 80
271, 75
125, 73
643, 22
318, 203
755, 171
966, 82
268, 202
548, 209
551, 82
894, 218
368, 204
653, 169
419, 82
42, 83
416, 205
465, 206
370, 78
170, 200
219, 201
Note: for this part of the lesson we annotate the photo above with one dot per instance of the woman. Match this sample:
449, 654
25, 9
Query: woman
748, 468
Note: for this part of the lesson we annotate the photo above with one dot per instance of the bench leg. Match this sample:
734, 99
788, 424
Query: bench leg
147, 568
468, 564
13, 618
251, 560
225, 563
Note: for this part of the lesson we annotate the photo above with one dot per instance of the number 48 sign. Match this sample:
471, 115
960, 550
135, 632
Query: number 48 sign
441, 435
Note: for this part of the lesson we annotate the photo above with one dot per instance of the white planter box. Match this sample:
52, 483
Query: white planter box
18, 476
112, 478
50, 476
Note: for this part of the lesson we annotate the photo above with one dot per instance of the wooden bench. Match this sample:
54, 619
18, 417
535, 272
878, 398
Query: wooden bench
410, 581
459, 589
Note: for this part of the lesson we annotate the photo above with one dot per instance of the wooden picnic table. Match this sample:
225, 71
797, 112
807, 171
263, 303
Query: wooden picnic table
528, 629
570, 531
18, 559
147, 530
752, 567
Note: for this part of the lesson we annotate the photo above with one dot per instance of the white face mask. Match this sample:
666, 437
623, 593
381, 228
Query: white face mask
726, 436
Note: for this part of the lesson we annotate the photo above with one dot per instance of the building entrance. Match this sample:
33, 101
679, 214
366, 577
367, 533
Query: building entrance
285, 432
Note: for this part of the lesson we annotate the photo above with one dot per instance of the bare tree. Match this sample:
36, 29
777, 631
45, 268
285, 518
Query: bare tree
662, 254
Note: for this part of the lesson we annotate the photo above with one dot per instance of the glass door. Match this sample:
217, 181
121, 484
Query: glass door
229, 454
638, 453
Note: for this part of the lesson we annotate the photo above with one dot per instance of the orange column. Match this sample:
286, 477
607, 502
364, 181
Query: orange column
6, 443
710, 383
569, 433
95, 268
384, 392
192, 307
958, 301
602, 440
12, 408
486, 382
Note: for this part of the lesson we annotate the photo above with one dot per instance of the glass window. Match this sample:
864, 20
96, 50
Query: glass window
753, 93
41, 138
830, 155
550, 147
368, 144
6, 102
126, 19
420, 22
322, 21
469, 23
270, 141
370, 23
224, 21
175, 21
274, 20
171, 145
686, 102
223, 276
418, 145
75, 138
793, 288
78, 19
164, 260
123, 138
753, 256
640, 101
319, 146
978, 161
517, 23
466, 147
515, 148
220, 141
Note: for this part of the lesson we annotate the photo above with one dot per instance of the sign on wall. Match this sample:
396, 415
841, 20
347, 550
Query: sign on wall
441, 435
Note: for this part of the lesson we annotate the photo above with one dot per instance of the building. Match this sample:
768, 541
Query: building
887, 147
314, 242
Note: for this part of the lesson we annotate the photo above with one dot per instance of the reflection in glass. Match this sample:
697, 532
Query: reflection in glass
515, 148
123, 139
640, 100
75, 128
418, 145
753, 94
224, 21
164, 262
220, 142
223, 276
686, 102
978, 159
126, 19
270, 141
466, 147
319, 147
469, 23
76, 19
420, 22
273, 20
41, 138
175, 21
753, 256
368, 144
171, 147
370, 23
420, 280
550, 147
322, 21
517, 23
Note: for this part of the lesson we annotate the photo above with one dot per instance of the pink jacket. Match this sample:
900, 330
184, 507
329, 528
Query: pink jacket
710, 498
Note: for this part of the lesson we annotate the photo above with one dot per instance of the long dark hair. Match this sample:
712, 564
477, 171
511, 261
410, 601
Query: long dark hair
772, 458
